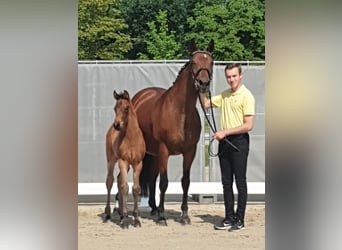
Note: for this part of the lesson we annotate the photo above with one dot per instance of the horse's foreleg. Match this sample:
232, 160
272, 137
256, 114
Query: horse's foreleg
123, 193
163, 184
187, 161
163, 157
109, 185
136, 191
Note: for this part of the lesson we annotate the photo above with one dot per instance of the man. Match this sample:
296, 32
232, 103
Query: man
237, 106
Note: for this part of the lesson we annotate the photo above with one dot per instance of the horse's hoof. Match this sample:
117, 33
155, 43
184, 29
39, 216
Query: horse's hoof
162, 222
116, 209
185, 220
124, 224
154, 211
106, 217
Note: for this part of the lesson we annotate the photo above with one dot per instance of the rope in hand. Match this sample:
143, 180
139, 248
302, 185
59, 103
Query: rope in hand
213, 127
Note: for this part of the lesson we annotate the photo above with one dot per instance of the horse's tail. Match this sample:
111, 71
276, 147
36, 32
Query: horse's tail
145, 176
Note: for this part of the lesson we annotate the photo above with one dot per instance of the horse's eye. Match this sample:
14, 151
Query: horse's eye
126, 110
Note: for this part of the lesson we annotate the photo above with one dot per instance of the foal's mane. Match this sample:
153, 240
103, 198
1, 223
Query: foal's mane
122, 95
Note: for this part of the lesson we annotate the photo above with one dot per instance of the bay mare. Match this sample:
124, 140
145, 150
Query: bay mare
171, 125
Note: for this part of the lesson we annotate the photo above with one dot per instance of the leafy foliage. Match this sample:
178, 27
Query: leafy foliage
161, 44
161, 29
237, 28
101, 33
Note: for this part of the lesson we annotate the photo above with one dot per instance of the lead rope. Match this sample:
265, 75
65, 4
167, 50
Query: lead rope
213, 127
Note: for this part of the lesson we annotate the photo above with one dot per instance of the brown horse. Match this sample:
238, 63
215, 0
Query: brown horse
125, 144
171, 125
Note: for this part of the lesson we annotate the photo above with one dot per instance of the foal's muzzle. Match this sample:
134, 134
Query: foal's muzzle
116, 126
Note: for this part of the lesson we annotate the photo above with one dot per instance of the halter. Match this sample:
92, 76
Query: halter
197, 82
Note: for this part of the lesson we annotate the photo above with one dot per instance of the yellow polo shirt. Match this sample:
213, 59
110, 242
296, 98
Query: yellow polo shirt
234, 106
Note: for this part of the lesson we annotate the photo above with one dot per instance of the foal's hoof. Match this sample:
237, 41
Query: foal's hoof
185, 220
137, 223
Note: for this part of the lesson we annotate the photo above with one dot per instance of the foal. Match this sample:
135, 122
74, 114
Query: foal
125, 144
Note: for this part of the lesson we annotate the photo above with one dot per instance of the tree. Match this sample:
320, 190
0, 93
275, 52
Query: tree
138, 13
161, 44
248, 19
237, 28
101, 31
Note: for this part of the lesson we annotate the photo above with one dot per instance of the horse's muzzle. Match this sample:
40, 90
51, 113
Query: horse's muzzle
203, 87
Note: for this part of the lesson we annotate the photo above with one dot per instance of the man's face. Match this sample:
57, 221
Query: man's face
233, 78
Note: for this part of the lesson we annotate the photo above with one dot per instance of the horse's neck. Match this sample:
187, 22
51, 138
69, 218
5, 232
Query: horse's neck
185, 91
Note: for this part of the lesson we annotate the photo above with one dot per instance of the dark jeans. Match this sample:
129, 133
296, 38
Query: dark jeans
233, 164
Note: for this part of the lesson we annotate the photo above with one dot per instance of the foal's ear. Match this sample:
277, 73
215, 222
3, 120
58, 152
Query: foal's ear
192, 46
126, 95
210, 47
116, 96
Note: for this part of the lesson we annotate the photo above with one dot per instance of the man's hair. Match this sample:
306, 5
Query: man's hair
233, 65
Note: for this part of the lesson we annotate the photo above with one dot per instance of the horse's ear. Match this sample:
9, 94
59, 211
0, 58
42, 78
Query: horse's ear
192, 46
210, 47
116, 96
126, 95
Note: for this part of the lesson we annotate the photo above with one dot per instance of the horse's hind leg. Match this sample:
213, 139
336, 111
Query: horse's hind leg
150, 167
109, 185
136, 191
152, 194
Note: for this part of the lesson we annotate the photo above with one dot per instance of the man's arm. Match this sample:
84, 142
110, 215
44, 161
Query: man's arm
205, 101
247, 126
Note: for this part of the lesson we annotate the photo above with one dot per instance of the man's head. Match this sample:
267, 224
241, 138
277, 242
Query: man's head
233, 75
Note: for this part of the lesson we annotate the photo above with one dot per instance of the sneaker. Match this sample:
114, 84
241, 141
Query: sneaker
237, 227
225, 225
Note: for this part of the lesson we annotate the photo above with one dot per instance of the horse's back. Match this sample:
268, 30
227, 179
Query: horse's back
146, 97
144, 103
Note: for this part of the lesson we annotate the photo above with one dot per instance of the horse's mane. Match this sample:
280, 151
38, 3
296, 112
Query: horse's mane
181, 70
188, 62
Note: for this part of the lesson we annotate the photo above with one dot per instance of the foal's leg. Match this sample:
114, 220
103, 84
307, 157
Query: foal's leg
109, 185
188, 158
136, 191
117, 199
123, 193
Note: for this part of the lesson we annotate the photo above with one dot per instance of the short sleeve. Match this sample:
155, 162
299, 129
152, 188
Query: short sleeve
216, 101
249, 105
